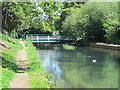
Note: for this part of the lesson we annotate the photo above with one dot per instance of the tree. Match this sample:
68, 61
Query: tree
17, 16
87, 23
65, 11
51, 12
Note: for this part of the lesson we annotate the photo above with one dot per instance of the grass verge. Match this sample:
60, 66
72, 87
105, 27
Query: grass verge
37, 76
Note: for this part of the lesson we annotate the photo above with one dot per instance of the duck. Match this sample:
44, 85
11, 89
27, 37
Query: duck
94, 61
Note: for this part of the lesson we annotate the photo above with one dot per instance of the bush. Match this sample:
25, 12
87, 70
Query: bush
90, 22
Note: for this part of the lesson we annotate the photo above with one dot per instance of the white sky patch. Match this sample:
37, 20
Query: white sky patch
57, 13
39, 8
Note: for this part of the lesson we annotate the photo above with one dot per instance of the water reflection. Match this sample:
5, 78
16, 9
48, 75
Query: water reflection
49, 64
76, 69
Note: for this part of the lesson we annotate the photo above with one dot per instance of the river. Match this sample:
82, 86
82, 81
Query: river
84, 67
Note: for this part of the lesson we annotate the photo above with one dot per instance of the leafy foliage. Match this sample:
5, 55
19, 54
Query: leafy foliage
65, 11
51, 11
89, 23
83, 22
16, 16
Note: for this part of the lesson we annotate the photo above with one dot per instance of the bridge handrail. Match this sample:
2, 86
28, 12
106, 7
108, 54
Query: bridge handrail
39, 34
47, 38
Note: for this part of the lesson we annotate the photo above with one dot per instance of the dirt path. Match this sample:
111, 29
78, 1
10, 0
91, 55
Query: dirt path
21, 78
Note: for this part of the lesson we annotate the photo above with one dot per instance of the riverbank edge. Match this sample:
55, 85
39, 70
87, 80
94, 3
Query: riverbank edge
106, 46
37, 75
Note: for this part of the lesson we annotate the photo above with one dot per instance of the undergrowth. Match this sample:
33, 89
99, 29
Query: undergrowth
9, 66
38, 77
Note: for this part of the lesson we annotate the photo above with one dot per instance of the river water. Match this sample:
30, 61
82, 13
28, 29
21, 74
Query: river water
84, 67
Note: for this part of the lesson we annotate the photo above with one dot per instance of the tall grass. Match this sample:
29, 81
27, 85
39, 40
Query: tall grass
9, 66
38, 77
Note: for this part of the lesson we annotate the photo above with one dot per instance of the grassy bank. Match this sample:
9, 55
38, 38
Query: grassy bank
9, 48
69, 47
38, 77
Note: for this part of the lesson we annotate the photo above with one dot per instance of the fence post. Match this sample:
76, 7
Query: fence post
37, 38
48, 38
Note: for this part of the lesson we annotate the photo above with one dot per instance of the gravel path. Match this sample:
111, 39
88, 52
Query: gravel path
21, 78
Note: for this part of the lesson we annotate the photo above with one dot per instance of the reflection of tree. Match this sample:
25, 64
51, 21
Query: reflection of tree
47, 46
79, 70
117, 60
78, 75
85, 74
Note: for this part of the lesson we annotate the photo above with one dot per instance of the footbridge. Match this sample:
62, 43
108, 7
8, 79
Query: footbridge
47, 38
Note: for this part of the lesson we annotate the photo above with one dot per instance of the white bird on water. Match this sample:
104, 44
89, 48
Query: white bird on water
94, 61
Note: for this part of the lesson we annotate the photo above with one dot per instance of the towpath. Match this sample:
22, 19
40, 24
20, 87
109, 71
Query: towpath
21, 78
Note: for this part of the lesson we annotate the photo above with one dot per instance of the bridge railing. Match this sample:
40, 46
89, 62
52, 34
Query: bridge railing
37, 37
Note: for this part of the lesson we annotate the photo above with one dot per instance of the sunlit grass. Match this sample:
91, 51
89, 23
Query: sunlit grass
38, 77
9, 66
7, 76
69, 47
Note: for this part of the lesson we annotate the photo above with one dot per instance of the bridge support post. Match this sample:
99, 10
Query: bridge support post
31, 37
26, 36
37, 38
48, 38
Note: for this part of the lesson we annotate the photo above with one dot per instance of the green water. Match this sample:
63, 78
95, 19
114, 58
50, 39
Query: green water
76, 69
